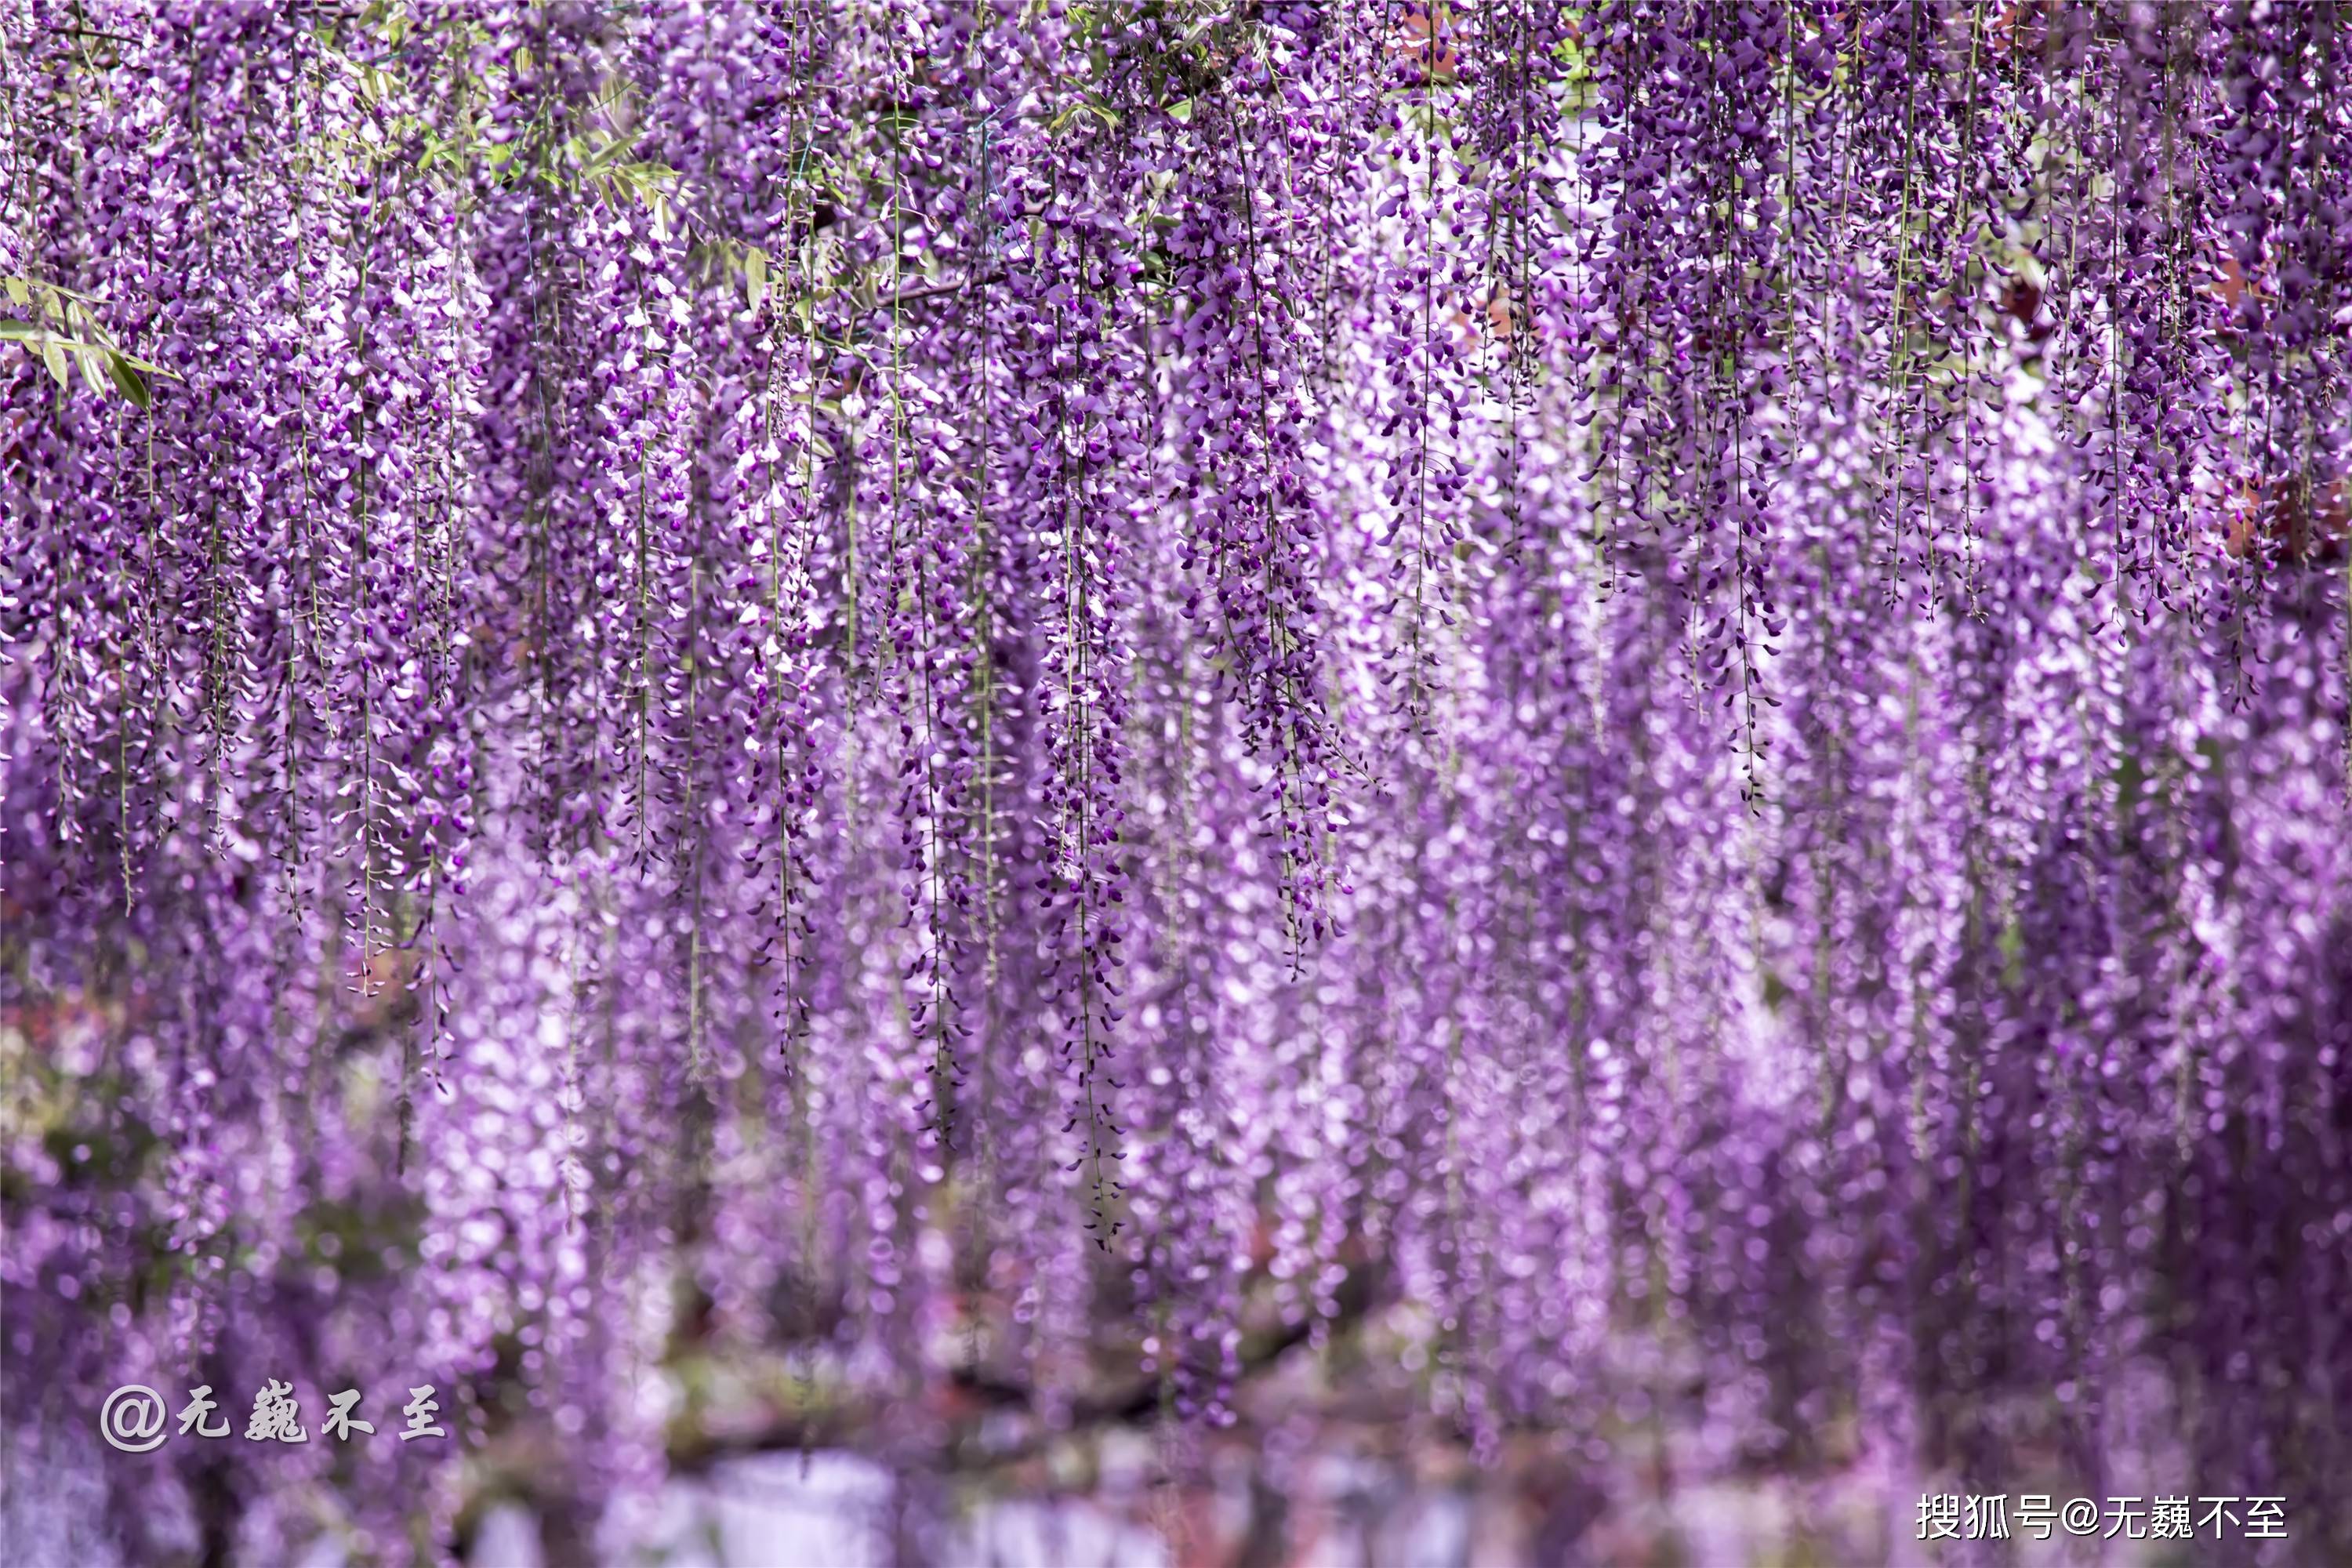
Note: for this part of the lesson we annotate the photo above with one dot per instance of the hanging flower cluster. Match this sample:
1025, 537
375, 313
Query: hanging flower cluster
984, 692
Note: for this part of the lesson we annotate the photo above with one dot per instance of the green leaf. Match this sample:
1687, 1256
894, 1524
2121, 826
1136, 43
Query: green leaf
602, 158
17, 331
128, 380
755, 275
20, 291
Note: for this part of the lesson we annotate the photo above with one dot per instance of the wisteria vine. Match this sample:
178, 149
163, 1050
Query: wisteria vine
997, 693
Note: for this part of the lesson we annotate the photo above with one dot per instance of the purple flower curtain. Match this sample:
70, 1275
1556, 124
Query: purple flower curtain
1027, 694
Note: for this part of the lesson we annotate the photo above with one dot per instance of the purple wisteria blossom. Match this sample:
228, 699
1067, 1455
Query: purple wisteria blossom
1006, 710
